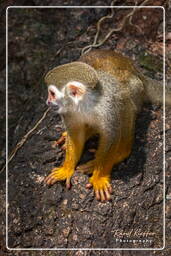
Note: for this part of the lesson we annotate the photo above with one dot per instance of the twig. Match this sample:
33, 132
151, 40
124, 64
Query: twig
129, 15
143, 3
89, 47
24, 139
130, 19
101, 20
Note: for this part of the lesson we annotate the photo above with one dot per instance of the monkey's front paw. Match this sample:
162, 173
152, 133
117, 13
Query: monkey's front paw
61, 141
102, 187
59, 174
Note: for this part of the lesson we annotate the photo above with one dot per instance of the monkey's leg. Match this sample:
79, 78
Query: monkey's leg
74, 146
100, 180
87, 167
61, 141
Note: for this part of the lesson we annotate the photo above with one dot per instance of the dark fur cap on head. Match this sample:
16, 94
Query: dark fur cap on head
74, 71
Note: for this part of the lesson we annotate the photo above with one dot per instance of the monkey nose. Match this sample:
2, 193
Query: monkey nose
52, 104
48, 102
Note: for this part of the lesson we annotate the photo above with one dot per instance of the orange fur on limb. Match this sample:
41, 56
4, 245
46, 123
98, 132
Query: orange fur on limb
74, 147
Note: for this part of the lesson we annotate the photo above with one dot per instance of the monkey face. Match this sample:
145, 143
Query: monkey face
67, 98
55, 98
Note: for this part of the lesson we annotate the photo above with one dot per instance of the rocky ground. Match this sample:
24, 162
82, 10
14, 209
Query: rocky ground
43, 217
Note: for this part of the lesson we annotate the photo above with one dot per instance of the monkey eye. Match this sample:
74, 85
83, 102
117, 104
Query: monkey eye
52, 94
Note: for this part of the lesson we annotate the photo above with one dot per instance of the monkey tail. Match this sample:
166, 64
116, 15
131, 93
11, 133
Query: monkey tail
154, 91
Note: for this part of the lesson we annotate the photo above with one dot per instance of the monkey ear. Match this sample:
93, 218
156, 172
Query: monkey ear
76, 90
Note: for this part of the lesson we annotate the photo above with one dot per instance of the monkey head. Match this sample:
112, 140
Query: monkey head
70, 86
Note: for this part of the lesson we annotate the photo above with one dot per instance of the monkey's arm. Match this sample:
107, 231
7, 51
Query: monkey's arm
61, 141
74, 145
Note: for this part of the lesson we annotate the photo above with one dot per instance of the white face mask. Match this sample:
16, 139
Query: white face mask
73, 90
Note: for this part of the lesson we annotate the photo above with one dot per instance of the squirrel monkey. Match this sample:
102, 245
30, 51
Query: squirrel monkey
101, 93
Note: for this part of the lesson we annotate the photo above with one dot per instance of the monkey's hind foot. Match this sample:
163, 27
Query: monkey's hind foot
87, 167
102, 187
59, 174
61, 141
